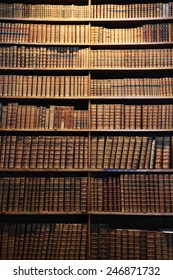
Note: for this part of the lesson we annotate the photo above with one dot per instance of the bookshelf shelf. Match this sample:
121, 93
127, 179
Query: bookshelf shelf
89, 130
91, 61
46, 130
100, 45
130, 214
97, 69
87, 20
80, 213
78, 99
118, 171
48, 213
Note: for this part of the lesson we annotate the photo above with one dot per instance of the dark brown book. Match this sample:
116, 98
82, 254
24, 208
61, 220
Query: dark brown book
45, 243
151, 253
26, 152
40, 155
94, 242
12, 152
137, 248
70, 152
33, 153
93, 152
166, 152
61, 194
143, 241
63, 152
7, 151
118, 243
57, 152
83, 200
83, 245
4, 241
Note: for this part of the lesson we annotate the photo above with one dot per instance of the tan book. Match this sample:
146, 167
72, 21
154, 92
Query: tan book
108, 152
143, 152
123, 163
131, 152
148, 153
100, 152
119, 151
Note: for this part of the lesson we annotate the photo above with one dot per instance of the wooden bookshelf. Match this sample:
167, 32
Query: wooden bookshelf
52, 197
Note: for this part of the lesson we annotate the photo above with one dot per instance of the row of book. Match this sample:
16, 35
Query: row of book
138, 10
97, 11
132, 193
39, 195
43, 57
127, 193
48, 152
73, 57
44, 86
130, 244
111, 152
25, 10
78, 86
15, 116
122, 116
131, 58
161, 32
131, 152
40, 241
103, 116
51, 33
132, 87
43, 33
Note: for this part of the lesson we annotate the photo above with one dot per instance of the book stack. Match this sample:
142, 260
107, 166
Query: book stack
122, 116
15, 116
131, 152
43, 86
44, 152
131, 58
132, 193
43, 57
43, 241
22, 10
40, 195
140, 10
161, 32
130, 244
43, 33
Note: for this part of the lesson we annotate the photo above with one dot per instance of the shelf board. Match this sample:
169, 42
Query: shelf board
131, 69
86, 213
89, 97
52, 19
44, 130
128, 20
131, 130
88, 170
130, 213
87, 20
44, 44
89, 44
42, 213
86, 69
87, 130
